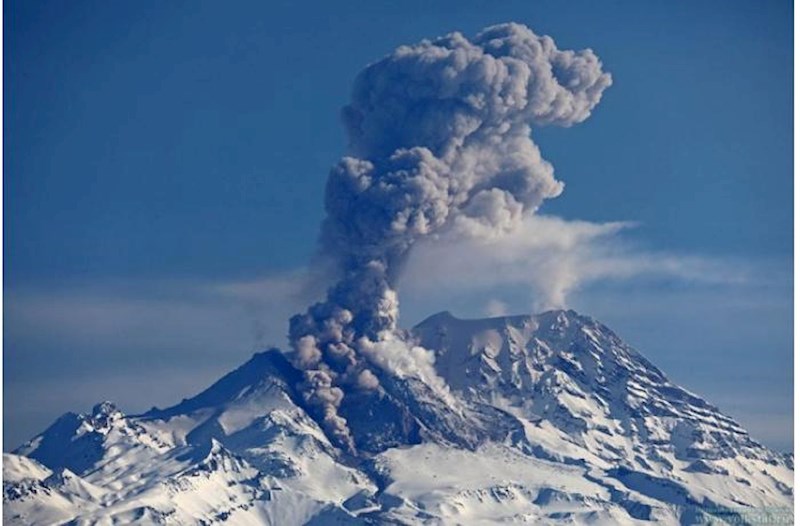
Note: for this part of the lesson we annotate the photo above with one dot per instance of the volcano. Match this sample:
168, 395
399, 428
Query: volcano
546, 419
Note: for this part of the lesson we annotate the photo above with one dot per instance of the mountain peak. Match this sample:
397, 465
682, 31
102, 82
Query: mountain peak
105, 408
575, 373
553, 317
263, 369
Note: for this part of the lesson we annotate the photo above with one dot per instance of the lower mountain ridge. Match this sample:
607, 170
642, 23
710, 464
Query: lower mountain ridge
548, 419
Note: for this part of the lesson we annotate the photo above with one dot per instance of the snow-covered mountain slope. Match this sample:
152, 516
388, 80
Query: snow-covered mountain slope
550, 419
170, 466
586, 398
568, 376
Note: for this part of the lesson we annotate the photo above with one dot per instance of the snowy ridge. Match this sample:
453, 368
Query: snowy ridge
556, 420
573, 373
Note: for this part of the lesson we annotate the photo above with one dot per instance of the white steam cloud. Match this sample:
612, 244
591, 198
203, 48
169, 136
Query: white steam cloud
551, 258
440, 142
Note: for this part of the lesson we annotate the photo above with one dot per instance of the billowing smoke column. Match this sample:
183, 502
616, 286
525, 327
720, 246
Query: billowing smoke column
440, 140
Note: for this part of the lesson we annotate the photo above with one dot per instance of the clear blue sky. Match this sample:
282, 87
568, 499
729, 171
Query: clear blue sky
153, 144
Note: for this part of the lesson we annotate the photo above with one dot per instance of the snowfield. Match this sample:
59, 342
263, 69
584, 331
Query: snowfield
550, 419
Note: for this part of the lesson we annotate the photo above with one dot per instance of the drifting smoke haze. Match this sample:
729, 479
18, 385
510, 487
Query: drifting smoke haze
440, 145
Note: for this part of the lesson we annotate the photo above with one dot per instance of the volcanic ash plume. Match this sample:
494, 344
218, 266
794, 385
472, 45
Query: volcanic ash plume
440, 139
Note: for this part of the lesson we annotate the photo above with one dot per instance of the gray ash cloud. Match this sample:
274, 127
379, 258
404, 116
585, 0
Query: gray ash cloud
440, 141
